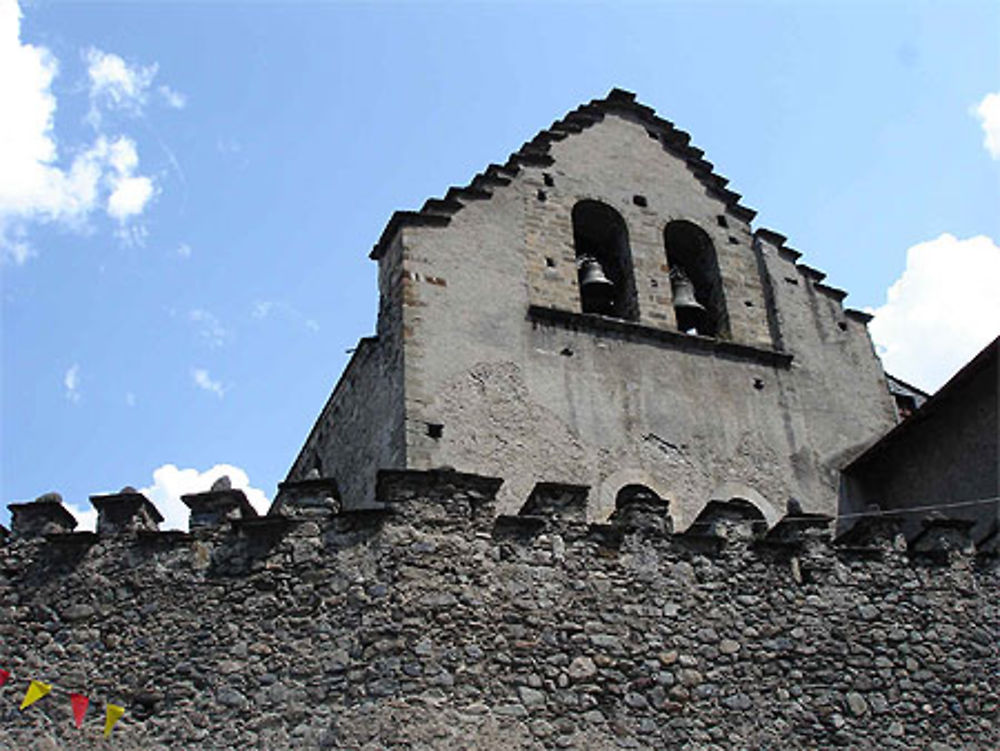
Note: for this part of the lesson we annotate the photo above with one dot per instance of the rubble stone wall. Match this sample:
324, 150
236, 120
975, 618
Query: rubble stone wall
434, 624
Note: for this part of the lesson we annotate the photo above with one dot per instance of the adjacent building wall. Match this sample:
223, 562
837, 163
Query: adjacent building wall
948, 452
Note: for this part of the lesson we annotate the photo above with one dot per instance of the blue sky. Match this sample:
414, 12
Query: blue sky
189, 191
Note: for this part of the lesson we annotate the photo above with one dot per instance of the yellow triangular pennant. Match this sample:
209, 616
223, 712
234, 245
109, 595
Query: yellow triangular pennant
112, 715
36, 691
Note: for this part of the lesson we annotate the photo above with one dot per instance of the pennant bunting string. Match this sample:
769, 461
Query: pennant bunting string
80, 704
36, 691
112, 715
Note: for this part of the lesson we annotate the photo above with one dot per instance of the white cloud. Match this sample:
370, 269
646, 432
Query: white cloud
71, 382
210, 329
265, 308
129, 197
170, 483
988, 112
86, 518
184, 250
116, 85
941, 312
204, 381
43, 180
173, 98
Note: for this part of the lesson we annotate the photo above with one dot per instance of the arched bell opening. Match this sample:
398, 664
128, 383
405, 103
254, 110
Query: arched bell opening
604, 261
695, 282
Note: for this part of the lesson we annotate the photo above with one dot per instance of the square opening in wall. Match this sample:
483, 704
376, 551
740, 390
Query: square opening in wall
435, 430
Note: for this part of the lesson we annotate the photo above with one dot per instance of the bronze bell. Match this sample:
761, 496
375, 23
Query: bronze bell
690, 313
596, 290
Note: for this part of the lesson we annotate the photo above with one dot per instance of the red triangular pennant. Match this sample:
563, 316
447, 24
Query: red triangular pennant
80, 704
4, 675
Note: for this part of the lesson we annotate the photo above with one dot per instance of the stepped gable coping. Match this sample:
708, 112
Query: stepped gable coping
834, 292
815, 275
47, 508
124, 505
986, 359
535, 153
858, 315
574, 320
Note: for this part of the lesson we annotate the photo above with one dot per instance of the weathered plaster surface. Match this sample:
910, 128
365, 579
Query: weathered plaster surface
583, 404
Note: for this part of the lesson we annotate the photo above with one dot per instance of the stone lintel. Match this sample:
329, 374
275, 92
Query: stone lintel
127, 511
557, 501
44, 515
213, 507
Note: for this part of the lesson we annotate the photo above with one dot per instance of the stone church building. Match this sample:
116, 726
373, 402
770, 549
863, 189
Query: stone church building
575, 493
599, 311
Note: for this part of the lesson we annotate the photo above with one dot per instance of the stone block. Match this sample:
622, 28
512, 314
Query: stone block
125, 511
45, 515
212, 508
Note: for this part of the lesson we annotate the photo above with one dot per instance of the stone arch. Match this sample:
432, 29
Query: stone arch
728, 491
600, 240
606, 492
694, 265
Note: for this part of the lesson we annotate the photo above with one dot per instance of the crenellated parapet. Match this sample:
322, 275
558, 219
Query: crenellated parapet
444, 500
429, 617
